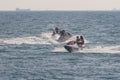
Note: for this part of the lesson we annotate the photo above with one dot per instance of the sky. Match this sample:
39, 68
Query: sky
60, 4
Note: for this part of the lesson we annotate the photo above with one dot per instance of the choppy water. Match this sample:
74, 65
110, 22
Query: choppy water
27, 51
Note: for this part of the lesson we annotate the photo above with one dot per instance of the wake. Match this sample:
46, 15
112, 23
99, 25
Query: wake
44, 38
97, 49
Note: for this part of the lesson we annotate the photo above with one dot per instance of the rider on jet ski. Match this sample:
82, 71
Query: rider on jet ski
56, 31
80, 41
64, 33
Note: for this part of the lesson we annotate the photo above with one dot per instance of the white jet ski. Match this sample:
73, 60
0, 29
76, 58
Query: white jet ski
71, 46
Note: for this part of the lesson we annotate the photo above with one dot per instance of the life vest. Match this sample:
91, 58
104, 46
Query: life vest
80, 41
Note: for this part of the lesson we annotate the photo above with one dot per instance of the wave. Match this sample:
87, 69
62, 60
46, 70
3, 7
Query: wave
97, 49
44, 38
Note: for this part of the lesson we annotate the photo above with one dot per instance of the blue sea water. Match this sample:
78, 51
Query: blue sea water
27, 51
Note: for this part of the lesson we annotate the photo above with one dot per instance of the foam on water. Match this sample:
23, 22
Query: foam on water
44, 38
59, 49
97, 49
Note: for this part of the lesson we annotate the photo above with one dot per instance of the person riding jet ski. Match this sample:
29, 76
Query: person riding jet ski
80, 41
56, 31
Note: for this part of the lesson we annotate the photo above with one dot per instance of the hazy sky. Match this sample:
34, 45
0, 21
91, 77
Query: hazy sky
60, 4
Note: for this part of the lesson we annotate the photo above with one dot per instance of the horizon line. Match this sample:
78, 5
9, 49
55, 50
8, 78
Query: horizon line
60, 10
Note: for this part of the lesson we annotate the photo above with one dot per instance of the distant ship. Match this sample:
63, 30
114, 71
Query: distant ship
18, 9
115, 9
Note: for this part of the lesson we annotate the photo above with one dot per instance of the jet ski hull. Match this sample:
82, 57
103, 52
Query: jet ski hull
70, 48
64, 38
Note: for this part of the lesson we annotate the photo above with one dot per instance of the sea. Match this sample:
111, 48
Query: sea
28, 51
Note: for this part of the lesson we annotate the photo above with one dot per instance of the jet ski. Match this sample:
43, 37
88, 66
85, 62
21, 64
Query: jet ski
65, 37
71, 46
61, 37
